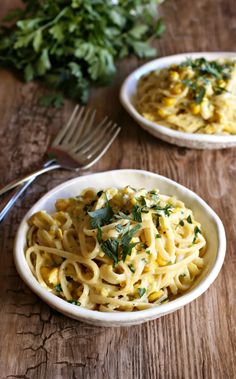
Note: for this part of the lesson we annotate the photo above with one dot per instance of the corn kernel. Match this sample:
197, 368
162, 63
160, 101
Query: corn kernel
146, 269
122, 284
168, 101
176, 89
133, 201
174, 75
155, 295
217, 117
59, 234
161, 261
54, 276
162, 113
221, 83
195, 108
45, 272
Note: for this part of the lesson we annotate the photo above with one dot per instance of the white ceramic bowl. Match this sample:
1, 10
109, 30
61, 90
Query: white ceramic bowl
211, 225
197, 141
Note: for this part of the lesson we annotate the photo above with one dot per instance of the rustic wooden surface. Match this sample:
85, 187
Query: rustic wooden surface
195, 342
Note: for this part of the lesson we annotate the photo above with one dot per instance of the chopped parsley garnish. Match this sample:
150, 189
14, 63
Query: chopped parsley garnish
99, 234
142, 201
141, 291
99, 193
148, 252
110, 248
58, 288
157, 235
137, 213
119, 228
101, 216
196, 231
126, 243
131, 267
200, 94
164, 300
75, 302
189, 219
154, 195
181, 222
167, 209
122, 215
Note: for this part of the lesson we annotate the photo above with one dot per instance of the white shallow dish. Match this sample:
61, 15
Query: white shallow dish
196, 141
211, 224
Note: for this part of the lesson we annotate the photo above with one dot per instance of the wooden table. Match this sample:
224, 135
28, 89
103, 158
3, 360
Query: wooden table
195, 342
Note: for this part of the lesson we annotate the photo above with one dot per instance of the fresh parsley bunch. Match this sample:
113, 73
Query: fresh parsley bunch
71, 44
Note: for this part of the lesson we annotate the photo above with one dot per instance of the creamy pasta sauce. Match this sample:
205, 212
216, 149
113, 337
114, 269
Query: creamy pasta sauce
196, 96
116, 250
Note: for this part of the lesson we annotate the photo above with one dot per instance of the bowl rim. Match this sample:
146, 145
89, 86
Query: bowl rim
119, 317
211, 139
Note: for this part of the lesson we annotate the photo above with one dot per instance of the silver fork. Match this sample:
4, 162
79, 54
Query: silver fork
77, 146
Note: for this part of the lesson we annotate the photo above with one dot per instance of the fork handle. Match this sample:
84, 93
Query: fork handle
18, 193
34, 174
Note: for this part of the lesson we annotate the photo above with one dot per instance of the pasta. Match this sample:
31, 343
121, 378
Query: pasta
116, 250
196, 96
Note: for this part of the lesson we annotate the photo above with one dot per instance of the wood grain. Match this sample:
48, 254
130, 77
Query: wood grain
196, 342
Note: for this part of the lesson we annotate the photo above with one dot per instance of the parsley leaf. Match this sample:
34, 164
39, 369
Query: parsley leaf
101, 216
126, 244
54, 99
131, 267
75, 302
58, 288
99, 234
137, 213
141, 291
110, 248
196, 231
189, 219
118, 228
71, 45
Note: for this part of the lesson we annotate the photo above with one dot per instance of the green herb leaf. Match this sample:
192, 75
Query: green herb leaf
101, 216
126, 244
110, 248
72, 45
141, 291
58, 288
167, 209
189, 219
119, 228
131, 267
74, 302
181, 222
137, 213
196, 231
157, 235
99, 234
160, 28
200, 95
122, 215
52, 100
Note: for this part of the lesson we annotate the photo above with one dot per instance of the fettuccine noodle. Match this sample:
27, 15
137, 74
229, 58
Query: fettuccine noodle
116, 250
